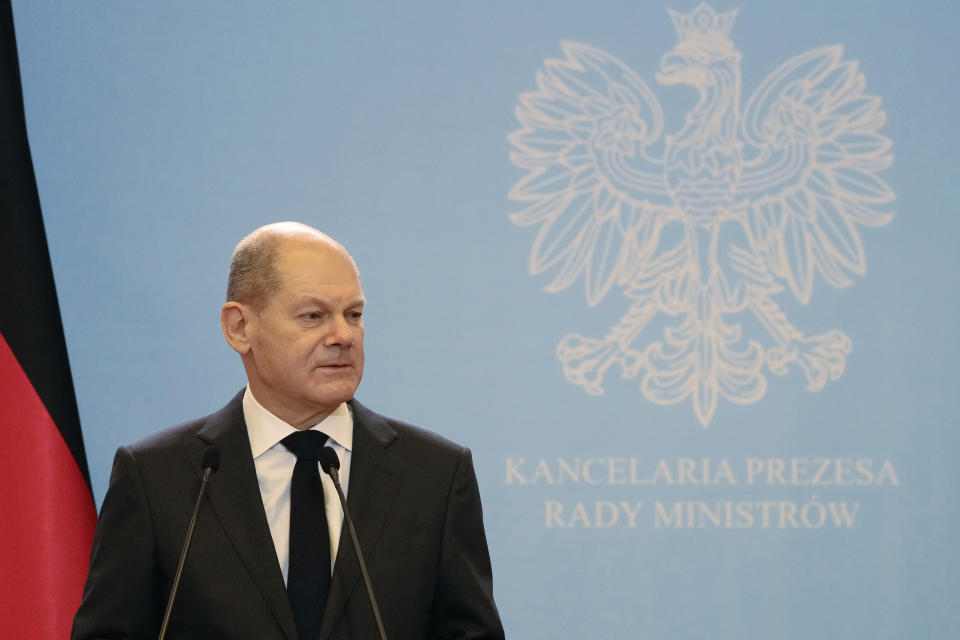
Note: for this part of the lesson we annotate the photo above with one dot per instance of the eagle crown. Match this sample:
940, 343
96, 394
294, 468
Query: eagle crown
703, 38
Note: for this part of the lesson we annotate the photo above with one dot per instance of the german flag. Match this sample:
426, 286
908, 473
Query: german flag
47, 514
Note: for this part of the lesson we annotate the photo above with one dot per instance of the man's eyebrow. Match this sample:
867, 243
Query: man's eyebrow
307, 299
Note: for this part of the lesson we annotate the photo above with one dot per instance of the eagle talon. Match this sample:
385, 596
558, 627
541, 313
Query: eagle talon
822, 358
586, 360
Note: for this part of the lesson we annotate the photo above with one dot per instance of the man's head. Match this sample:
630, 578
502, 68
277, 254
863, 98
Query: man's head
294, 314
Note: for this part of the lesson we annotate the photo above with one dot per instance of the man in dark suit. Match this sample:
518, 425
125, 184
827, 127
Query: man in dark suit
294, 314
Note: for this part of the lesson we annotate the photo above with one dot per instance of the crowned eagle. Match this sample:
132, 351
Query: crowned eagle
707, 225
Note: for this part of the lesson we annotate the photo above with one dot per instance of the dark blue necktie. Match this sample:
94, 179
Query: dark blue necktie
308, 578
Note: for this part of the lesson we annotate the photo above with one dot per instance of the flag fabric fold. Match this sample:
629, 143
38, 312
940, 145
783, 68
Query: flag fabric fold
47, 513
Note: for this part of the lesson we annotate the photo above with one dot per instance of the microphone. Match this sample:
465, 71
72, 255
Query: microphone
209, 462
330, 464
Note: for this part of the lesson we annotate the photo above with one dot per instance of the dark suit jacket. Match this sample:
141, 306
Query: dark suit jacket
413, 497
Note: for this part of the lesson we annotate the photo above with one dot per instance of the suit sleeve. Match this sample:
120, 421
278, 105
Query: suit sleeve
120, 595
463, 604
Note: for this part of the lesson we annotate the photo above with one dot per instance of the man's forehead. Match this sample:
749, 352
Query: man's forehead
319, 274
315, 254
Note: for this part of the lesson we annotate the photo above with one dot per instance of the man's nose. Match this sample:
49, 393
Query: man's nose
341, 333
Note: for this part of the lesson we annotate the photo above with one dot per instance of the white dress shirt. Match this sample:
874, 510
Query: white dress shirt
274, 464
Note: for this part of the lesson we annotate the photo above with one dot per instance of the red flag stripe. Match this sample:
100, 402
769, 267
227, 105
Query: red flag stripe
47, 515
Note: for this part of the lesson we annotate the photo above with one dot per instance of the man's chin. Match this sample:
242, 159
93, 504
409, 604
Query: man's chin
332, 395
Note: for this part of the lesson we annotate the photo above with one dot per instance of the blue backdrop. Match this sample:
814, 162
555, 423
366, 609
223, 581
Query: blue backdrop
684, 282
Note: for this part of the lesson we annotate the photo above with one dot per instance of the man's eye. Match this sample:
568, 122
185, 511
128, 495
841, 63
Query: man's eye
311, 316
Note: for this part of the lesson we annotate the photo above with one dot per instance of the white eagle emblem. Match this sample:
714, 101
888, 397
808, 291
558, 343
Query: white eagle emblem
703, 228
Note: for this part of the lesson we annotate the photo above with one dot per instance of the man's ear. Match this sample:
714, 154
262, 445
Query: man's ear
236, 320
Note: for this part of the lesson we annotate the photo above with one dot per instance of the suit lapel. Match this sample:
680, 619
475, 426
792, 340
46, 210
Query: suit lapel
235, 497
375, 476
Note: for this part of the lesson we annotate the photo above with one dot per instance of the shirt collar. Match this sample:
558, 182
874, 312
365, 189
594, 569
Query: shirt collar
265, 430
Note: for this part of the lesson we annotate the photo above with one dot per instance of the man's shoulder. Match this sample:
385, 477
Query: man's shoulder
188, 434
399, 435
169, 438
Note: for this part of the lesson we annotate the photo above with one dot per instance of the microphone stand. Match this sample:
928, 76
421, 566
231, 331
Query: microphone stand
210, 463
330, 464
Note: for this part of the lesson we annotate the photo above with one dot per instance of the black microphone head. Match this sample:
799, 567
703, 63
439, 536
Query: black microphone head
210, 459
328, 459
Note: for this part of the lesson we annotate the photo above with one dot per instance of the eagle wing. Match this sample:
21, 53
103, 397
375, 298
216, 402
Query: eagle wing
592, 185
812, 179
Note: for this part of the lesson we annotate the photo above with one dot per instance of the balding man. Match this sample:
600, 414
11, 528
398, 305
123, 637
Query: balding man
267, 560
